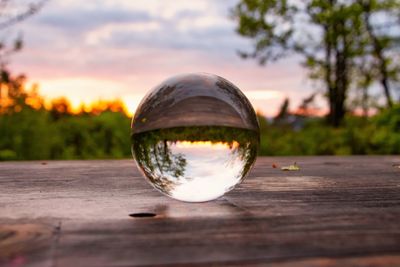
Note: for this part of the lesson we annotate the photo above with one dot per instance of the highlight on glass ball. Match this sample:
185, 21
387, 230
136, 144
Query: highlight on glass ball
195, 137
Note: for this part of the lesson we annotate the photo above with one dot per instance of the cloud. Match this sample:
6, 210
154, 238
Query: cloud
178, 24
81, 20
123, 48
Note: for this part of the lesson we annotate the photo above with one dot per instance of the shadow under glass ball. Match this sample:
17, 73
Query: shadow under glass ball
195, 137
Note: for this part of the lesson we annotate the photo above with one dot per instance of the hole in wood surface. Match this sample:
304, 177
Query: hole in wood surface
142, 215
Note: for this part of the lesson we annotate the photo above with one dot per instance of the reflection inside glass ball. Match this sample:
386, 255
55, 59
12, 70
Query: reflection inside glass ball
198, 163
195, 136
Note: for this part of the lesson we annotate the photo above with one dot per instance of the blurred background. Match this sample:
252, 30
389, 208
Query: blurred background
323, 76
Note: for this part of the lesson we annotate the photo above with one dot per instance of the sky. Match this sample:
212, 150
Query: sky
106, 49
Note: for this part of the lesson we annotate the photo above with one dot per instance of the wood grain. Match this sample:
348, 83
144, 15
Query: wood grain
335, 211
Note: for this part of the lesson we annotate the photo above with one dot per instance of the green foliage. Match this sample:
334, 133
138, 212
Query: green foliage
200, 133
379, 134
344, 44
35, 135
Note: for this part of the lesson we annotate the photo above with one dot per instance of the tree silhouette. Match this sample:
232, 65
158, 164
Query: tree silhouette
331, 35
12, 12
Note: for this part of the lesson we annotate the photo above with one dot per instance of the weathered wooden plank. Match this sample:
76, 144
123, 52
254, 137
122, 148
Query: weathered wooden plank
335, 211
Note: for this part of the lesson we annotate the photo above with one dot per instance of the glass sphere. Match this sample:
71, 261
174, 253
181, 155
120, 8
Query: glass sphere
195, 137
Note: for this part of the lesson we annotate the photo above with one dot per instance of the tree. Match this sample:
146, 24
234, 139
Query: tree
283, 112
328, 34
381, 44
60, 107
307, 106
12, 12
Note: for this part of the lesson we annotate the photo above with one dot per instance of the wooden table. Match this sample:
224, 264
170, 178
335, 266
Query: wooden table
335, 211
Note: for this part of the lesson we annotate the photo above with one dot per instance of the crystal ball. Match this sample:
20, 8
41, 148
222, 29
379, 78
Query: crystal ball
195, 137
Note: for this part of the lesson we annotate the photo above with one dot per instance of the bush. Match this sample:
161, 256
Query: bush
379, 134
37, 134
